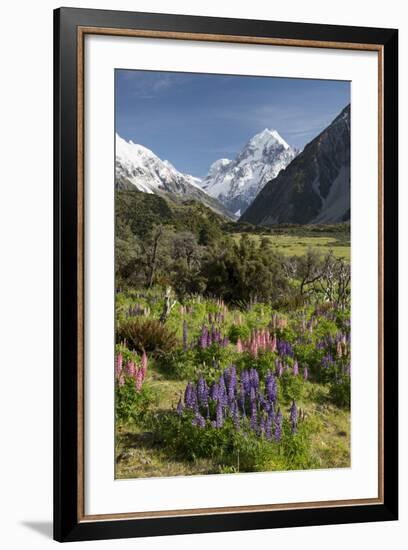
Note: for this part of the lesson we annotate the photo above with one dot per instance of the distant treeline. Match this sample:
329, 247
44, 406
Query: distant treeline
191, 249
289, 229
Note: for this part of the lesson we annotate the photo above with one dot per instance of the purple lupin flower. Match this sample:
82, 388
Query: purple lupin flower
254, 379
222, 391
278, 426
180, 407
268, 427
214, 391
227, 375
231, 382
219, 419
279, 368
327, 361
245, 383
241, 401
202, 391
198, 420
187, 395
293, 417
185, 335
261, 400
203, 337
271, 387
295, 368
253, 423
284, 348
235, 415
225, 342
190, 396
305, 373
209, 339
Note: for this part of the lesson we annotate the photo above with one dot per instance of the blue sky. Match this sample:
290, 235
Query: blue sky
194, 119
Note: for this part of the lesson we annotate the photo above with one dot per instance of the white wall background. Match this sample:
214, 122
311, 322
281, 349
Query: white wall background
26, 272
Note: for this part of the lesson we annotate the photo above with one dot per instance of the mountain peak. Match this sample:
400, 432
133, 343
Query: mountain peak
269, 136
138, 168
315, 187
237, 182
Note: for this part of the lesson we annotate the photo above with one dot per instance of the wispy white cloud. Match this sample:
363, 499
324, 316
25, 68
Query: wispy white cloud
148, 85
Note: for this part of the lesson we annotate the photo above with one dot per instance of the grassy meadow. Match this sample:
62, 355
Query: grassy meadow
232, 347
297, 245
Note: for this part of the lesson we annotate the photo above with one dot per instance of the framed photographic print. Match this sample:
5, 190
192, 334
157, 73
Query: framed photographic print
225, 274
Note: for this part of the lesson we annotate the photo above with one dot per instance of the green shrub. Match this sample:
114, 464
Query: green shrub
216, 353
297, 448
324, 327
146, 335
339, 391
132, 406
238, 331
308, 355
291, 387
264, 362
178, 364
232, 450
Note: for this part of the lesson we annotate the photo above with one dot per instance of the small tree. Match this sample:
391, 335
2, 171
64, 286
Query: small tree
155, 253
308, 270
185, 248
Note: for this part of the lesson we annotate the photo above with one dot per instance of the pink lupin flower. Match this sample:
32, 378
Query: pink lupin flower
305, 373
295, 368
119, 362
239, 346
138, 379
143, 365
121, 380
130, 368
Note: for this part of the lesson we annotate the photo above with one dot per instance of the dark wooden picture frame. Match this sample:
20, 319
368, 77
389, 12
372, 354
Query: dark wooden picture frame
70, 27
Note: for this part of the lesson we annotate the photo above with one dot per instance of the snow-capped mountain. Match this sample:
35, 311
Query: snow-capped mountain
237, 182
315, 187
138, 167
